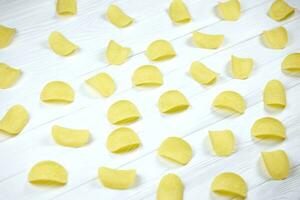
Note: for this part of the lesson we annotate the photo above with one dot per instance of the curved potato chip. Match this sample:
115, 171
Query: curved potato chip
223, 142
6, 36
116, 54
176, 150
48, 173
178, 12
160, 50
117, 179
276, 38
122, 140
172, 101
14, 120
229, 10
231, 184
202, 74
147, 76
291, 63
9, 76
122, 112
61, 45
170, 188
66, 7
117, 17
207, 41
102, 83
280, 10
70, 137
241, 68
277, 164
231, 101
57, 92
274, 94
268, 128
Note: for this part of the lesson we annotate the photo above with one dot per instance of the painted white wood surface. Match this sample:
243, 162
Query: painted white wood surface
35, 20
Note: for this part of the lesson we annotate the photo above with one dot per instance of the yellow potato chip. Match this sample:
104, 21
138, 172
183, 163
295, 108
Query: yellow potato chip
229, 10
6, 36
230, 184
172, 101
202, 74
122, 112
14, 120
8, 76
117, 54
178, 12
268, 128
277, 164
230, 101
280, 10
274, 94
147, 76
170, 188
70, 137
276, 38
160, 50
207, 41
291, 63
61, 45
117, 17
223, 142
122, 140
66, 7
117, 179
57, 92
176, 150
48, 173
102, 83
241, 68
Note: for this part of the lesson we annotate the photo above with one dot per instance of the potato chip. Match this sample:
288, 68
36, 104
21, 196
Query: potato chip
117, 179
229, 10
117, 54
117, 17
178, 12
274, 94
14, 120
176, 149
122, 112
70, 137
48, 173
276, 38
102, 83
160, 50
230, 101
61, 45
122, 140
280, 10
170, 188
57, 92
223, 142
172, 101
268, 128
291, 63
207, 41
6, 36
241, 68
66, 7
9, 76
147, 76
276, 163
230, 184
202, 74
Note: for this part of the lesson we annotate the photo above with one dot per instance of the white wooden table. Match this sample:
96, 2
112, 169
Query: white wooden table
36, 19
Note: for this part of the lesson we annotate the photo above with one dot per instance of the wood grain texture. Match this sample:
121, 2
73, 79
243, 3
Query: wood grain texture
35, 20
